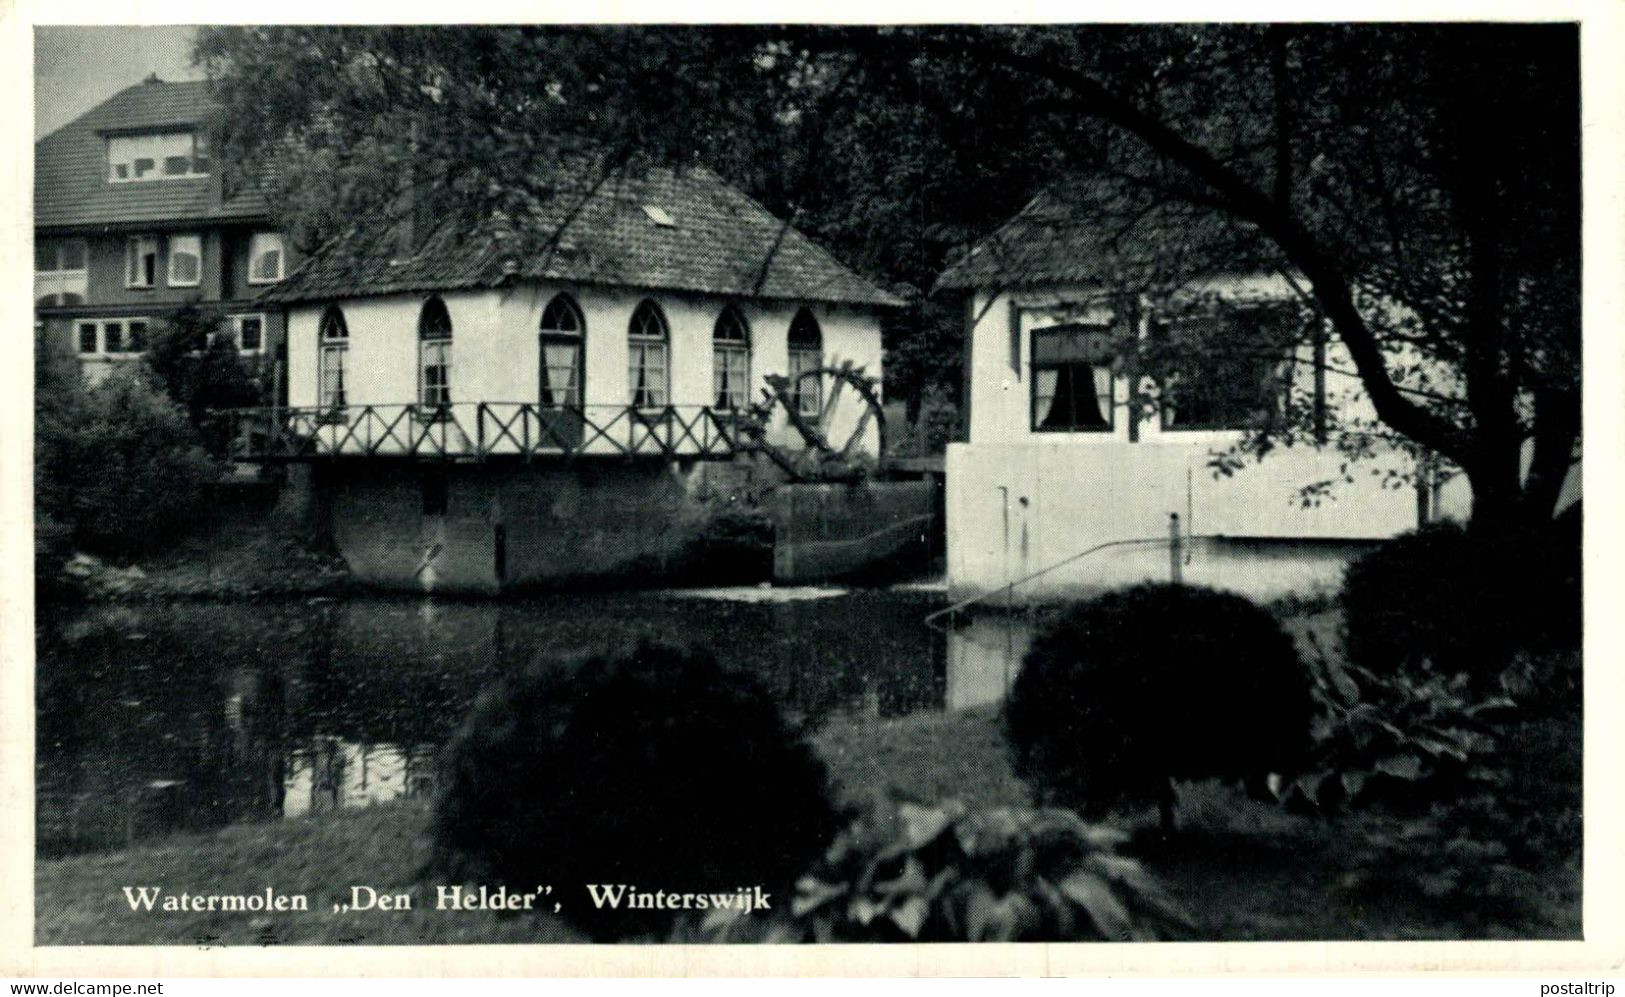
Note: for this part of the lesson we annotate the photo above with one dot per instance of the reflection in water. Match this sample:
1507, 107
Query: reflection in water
159, 718
332, 774
983, 657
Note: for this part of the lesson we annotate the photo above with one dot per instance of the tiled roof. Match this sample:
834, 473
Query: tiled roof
719, 242
70, 165
1094, 231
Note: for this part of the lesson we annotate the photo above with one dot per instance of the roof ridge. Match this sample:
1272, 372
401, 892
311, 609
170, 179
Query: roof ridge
143, 84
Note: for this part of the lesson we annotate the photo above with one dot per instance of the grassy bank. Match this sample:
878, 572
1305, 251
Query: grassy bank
1246, 871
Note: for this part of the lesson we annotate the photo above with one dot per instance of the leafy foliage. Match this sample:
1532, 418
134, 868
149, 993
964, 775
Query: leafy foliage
908, 872
117, 462
1443, 595
1409, 737
202, 370
1495, 836
650, 765
1122, 692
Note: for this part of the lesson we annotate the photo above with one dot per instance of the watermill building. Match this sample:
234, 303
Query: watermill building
477, 411
1081, 467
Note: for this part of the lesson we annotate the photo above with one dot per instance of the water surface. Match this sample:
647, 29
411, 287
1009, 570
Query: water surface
155, 718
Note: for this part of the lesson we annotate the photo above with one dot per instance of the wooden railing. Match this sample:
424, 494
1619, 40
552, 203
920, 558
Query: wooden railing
475, 430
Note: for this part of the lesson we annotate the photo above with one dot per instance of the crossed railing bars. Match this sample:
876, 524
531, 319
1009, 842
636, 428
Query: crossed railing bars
476, 430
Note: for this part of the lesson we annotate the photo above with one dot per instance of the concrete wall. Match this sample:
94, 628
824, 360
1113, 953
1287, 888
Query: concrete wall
557, 522
831, 531
1017, 509
495, 351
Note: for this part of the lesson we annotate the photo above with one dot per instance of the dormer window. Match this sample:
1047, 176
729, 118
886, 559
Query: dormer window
156, 156
265, 258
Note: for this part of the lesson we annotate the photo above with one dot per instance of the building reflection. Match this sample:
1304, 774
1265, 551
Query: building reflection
331, 773
983, 657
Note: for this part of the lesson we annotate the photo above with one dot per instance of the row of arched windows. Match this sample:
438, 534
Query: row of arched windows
562, 349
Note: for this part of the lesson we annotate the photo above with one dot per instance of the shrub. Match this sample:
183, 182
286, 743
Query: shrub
905, 872
652, 767
1463, 602
1408, 738
119, 464
1127, 690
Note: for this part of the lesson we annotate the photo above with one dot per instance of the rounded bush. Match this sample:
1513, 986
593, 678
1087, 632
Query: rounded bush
652, 768
1122, 692
1461, 602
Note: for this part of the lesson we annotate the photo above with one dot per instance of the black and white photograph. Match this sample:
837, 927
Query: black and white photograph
740, 483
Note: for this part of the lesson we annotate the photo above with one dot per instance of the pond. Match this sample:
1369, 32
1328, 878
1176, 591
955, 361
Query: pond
188, 715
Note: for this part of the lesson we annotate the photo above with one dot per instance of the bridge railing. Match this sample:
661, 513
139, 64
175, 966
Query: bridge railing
463, 430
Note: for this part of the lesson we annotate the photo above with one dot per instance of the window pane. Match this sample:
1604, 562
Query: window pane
265, 257
333, 326
183, 269
1074, 343
436, 372
560, 315
1044, 383
113, 332
249, 334
138, 337
332, 375
1103, 394
559, 365
87, 337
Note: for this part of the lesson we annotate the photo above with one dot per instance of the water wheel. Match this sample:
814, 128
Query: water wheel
834, 427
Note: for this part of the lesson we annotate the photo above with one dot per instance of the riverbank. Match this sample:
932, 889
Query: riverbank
250, 567
1245, 870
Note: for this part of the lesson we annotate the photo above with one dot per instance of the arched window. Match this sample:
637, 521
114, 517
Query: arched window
806, 354
563, 336
730, 359
434, 353
647, 347
334, 338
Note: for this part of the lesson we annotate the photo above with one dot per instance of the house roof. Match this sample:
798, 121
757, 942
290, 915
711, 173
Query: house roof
1096, 231
70, 165
662, 228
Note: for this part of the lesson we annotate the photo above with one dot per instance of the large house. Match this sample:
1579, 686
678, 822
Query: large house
483, 411
1079, 470
131, 221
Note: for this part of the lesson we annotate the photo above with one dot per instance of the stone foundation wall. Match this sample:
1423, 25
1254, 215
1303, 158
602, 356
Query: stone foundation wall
483, 528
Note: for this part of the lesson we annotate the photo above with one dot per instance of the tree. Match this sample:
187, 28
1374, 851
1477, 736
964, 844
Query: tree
1419, 182
203, 372
116, 462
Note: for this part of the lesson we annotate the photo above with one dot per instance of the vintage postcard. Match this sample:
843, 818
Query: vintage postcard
1033, 491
